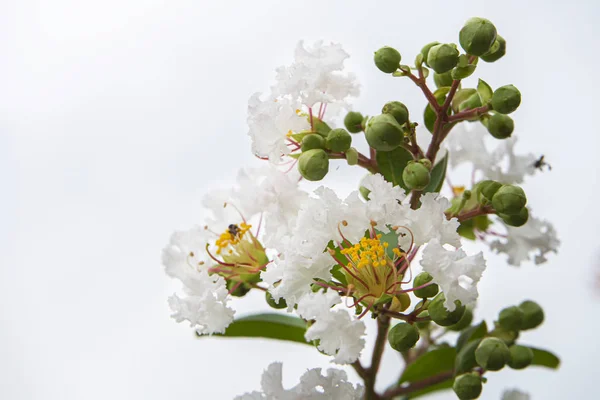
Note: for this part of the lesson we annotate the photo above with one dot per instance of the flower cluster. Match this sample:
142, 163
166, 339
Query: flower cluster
331, 261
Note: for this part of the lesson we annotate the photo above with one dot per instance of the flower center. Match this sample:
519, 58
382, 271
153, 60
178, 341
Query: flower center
231, 237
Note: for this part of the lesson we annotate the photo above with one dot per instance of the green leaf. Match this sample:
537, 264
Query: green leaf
544, 358
438, 174
485, 91
474, 332
268, 325
392, 163
429, 364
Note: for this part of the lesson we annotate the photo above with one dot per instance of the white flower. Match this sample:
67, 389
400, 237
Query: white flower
456, 273
184, 256
514, 394
269, 123
384, 198
205, 307
466, 144
339, 334
429, 222
536, 236
313, 386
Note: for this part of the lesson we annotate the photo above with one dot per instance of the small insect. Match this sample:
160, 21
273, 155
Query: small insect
233, 230
540, 164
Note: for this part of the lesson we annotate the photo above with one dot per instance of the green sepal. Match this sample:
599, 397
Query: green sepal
485, 91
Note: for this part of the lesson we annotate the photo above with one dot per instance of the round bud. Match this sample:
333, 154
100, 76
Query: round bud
442, 80
384, 133
400, 302
509, 199
416, 176
396, 110
506, 99
440, 315
477, 36
240, 290
313, 164
489, 188
353, 121
426, 162
520, 357
338, 140
387, 59
312, 141
517, 220
442, 58
511, 318
464, 322
428, 291
533, 315
425, 50
468, 386
275, 304
492, 354
497, 51
403, 336
500, 126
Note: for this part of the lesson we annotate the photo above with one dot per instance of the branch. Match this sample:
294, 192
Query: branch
468, 114
476, 212
413, 387
383, 325
363, 161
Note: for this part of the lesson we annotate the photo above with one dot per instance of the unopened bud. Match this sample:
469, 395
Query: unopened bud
426, 162
509, 199
516, 220
533, 315
511, 318
428, 291
500, 126
506, 99
440, 315
443, 80
312, 141
353, 121
520, 357
416, 176
240, 290
387, 59
489, 188
313, 164
465, 321
384, 133
477, 36
397, 110
400, 302
442, 58
338, 140
468, 386
497, 51
425, 50
492, 354
403, 336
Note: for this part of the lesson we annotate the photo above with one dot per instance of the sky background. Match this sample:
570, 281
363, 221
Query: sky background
116, 116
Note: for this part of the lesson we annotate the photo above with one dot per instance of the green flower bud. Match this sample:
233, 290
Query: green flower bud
313, 164
396, 110
508, 337
440, 315
275, 304
416, 176
464, 322
492, 354
387, 59
443, 80
497, 51
426, 162
384, 133
338, 140
477, 36
506, 99
240, 291
312, 141
511, 318
509, 199
533, 315
472, 101
465, 359
463, 72
425, 50
468, 386
428, 291
489, 188
500, 126
520, 357
461, 96
403, 336
353, 121
517, 220
352, 156
400, 302
442, 58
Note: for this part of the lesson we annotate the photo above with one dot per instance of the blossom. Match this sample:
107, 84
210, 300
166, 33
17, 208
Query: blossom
514, 394
384, 200
429, 221
455, 272
313, 386
536, 236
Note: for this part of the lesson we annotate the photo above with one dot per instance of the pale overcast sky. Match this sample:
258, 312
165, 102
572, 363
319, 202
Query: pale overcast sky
116, 116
